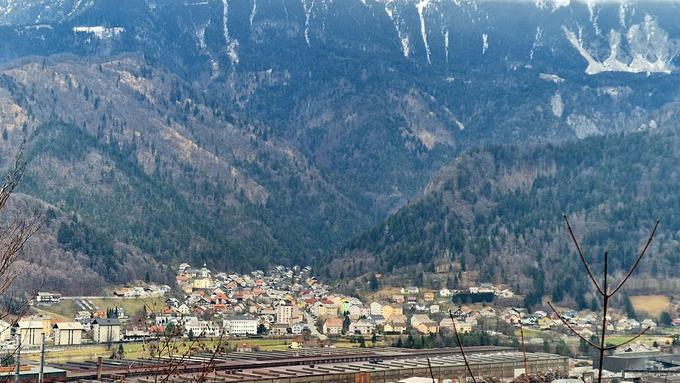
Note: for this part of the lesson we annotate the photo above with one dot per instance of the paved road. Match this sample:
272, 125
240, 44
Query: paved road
71, 298
312, 327
105, 297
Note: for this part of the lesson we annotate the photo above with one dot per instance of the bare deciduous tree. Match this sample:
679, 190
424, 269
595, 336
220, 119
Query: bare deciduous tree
606, 293
171, 353
461, 348
15, 233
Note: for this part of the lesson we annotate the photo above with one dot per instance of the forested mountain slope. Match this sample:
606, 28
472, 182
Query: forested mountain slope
498, 211
175, 178
250, 132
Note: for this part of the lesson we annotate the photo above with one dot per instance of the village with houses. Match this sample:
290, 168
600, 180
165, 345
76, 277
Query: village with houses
290, 303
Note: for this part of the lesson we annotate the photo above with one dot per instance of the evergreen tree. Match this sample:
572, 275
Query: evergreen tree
562, 348
345, 324
630, 310
594, 306
410, 342
373, 283
665, 319
112, 313
418, 280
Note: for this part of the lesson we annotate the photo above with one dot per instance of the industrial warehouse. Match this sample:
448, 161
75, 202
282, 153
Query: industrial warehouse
316, 365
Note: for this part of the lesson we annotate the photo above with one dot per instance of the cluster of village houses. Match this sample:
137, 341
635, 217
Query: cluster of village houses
291, 301
288, 301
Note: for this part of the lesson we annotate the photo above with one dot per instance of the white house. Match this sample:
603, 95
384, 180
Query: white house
5, 330
648, 323
333, 326
172, 302
376, 308
183, 267
47, 297
298, 328
106, 330
356, 311
240, 325
31, 331
362, 326
410, 290
505, 293
284, 313
201, 328
67, 333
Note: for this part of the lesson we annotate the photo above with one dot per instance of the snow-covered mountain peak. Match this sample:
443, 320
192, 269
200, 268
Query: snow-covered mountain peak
643, 48
602, 35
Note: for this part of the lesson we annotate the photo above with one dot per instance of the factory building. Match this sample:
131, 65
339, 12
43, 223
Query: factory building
367, 365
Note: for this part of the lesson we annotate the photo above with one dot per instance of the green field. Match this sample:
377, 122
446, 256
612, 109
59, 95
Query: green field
531, 333
141, 350
131, 306
71, 355
67, 308
63, 310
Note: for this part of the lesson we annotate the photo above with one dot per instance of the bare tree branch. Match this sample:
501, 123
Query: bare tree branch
429, 366
461, 348
13, 177
606, 295
637, 260
641, 333
583, 258
524, 353
573, 330
213, 356
14, 235
605, 302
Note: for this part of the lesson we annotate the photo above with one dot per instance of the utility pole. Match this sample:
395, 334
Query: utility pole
18, 362
99, 368
41, 375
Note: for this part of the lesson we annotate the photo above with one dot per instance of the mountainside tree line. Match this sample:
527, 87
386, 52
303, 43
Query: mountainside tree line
151, 212
156, 139
498, 210
109, 163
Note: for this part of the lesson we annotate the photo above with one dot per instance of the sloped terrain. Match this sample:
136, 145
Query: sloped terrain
498, 211
245, 132
167, 174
